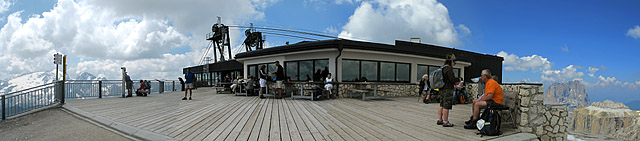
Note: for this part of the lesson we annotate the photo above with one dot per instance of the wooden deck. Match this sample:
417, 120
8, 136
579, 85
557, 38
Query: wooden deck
211, 116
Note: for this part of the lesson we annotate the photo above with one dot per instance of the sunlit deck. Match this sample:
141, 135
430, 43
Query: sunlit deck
211, 116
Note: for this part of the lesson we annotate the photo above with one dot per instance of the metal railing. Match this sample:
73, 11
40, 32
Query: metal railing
22, 101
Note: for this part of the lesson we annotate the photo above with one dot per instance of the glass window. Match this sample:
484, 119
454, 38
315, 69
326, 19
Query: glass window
252, 72
456, 72
292, 70
271, 67
322, 65
402, 72
306, 69
387, 71
350, 70
422, 70
369, 71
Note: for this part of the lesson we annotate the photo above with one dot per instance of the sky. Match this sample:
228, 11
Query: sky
542, 41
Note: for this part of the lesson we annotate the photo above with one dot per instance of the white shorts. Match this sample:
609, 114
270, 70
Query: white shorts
279, 84
328, 86
189, 86
263, 83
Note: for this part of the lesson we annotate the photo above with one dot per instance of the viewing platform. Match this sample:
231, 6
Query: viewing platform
211, 116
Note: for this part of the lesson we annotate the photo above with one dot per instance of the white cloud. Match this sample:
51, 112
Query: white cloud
347, 1
464, 30
5, 5
140, 34
634, 32
565, 48
331, 30
566, 74
389, 20
534, 62
593, 70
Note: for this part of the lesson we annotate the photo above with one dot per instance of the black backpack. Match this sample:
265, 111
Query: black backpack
492, 121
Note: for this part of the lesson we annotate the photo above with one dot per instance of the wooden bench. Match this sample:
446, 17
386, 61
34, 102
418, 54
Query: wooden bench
302, 95
358, 93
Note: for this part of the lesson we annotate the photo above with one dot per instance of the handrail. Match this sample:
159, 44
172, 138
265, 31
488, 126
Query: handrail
43, 96
10, 93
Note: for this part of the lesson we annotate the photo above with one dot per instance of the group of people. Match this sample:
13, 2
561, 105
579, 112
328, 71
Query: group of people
280, 78
454, 87
143, 90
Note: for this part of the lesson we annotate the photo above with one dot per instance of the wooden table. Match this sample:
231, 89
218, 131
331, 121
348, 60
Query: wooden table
363, 91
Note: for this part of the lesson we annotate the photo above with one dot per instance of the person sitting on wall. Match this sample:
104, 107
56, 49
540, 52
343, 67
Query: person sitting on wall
328, 84
492, 97
141, 91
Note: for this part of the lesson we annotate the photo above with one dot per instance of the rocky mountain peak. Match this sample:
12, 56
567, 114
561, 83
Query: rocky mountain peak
608, 104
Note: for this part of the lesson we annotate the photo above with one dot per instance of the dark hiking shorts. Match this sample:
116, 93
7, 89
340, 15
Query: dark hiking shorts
491, 103
446, 98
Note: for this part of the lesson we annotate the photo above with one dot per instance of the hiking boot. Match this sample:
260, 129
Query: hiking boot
184, 98
439, 122
129, 95
471, 125
189, 98
447, 124
426, 101
261, 96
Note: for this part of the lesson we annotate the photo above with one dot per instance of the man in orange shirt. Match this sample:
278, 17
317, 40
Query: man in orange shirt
492, 97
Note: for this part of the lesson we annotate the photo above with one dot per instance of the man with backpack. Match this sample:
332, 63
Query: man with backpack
492, 97
444, 80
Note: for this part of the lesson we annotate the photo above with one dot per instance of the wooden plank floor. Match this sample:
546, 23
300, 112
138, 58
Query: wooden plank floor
211, 116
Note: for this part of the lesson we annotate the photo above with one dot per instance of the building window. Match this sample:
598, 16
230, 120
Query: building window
368, 71
426, 69
292, 70
350, 70
387, 71
359, 71
252, 71
306, 70
403, 72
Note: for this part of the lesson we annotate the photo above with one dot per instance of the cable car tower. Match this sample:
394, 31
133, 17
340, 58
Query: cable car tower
219, 38
254, 39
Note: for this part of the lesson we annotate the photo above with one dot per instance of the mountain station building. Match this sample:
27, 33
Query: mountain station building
352, 61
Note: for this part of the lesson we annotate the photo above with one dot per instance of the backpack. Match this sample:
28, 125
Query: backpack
436, 80
489, 124
147, 85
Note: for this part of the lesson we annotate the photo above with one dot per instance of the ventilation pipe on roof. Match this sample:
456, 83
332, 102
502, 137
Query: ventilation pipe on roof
415, 40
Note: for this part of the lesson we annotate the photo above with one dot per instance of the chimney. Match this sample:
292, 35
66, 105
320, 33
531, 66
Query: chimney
415, 40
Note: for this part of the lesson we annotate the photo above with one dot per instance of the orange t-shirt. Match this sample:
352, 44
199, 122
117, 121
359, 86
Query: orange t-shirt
494, 88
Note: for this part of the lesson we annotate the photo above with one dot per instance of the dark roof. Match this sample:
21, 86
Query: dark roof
403, 47
229, 65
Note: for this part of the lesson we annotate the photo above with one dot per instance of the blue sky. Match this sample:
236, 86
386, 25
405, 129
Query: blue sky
542, 41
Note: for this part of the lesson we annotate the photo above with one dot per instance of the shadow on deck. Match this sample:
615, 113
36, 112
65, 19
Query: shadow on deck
211, 116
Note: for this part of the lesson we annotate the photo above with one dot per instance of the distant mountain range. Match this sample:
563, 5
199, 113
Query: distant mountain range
29, 80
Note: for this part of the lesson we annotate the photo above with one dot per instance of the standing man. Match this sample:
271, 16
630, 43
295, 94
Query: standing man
190, 79
279, 78
263, 80
129, 84
446, 92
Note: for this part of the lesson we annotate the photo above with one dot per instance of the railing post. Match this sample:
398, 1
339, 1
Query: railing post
4, 116
173, 85
99, 88
160, 87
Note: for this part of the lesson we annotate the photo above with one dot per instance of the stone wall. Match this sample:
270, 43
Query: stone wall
531, 114
394, 90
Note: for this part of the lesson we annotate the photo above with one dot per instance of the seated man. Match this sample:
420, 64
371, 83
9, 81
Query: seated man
492, 97
250, 85
142, 90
